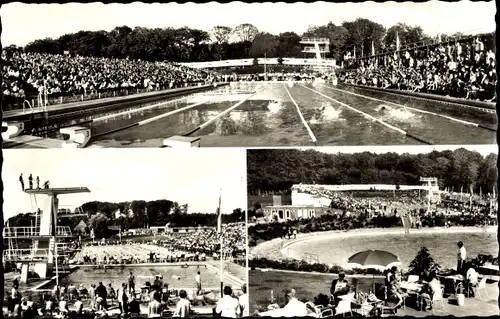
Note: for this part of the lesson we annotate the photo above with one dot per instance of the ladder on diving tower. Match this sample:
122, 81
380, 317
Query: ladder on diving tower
36, 229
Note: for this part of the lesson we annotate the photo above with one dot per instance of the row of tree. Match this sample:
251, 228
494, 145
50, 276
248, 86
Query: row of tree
275, 171
136, 214
222, 42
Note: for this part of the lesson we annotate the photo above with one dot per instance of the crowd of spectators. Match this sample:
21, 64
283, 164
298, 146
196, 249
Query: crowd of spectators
408, 205
208, 240
61, 75
461, 69
167, 247
99, 301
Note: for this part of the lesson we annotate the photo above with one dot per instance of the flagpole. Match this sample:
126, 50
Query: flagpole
247, 251
219, 224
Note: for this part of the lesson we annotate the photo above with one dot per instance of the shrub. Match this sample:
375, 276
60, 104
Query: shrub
423, 263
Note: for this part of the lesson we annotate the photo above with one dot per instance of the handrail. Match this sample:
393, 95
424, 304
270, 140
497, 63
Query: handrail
25, 254
29, 104
315, 40
33, 231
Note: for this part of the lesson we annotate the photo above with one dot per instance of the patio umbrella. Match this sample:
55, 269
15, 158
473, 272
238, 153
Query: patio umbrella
376, 259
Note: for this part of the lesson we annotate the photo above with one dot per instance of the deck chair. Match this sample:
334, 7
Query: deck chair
437, 297
367, 304
388, 307
481, 286
343, 307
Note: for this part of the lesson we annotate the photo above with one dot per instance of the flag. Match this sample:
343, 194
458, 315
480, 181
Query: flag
373, 48
219, 217
397, 41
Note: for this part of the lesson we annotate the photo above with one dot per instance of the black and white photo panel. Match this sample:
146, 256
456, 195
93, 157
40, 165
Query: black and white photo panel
151, 233
407, 231
287, 74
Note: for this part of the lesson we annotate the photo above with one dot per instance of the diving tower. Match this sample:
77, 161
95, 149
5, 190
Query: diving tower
44, 250
431, 183
319, 47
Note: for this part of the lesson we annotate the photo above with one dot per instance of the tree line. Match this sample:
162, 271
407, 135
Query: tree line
222, 42
275, 171
136, 214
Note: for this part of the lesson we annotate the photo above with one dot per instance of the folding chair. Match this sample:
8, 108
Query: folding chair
481, 286
343, 307
437, 297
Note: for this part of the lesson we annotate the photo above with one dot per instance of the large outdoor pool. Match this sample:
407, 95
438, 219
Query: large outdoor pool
272, 117
337, 248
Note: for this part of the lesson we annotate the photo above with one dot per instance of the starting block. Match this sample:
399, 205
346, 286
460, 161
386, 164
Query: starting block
79, 136
12, 129
181, 141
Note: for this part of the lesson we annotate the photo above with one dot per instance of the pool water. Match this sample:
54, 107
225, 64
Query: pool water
271, 118
442, 247
176, 277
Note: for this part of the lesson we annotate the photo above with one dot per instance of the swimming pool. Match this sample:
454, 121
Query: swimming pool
282, 114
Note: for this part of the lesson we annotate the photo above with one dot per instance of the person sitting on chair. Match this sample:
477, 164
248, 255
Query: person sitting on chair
395, 292
294, 307
340, 287
432, 286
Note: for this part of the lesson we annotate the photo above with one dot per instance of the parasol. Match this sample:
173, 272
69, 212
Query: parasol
375, 259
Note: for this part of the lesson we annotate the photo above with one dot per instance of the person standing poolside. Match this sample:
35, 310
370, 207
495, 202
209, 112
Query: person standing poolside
461, 255
227, 306
123, 299
183, 307
131, 284
244, 303
92, 296
154, 308
197, 278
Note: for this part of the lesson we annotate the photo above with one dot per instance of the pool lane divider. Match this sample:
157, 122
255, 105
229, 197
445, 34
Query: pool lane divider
394, 128
311, 134
155, 118
414, 109
202, 126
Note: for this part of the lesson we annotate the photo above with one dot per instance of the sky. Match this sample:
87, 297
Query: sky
187, 176
23, 23
484, 150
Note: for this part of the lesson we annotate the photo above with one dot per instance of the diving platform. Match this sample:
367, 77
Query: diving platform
57, 191
44, 251
34, 232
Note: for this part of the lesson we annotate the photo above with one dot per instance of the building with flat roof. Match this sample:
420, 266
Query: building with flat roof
282, 213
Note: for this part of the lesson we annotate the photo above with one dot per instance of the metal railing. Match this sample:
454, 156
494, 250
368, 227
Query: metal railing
28, 254
44, 100
311, 258
315, 40
69, 211
313, 50
27, 232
